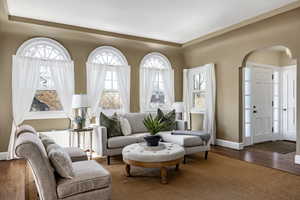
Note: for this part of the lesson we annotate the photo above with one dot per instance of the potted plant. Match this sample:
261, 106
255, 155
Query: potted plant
154, 126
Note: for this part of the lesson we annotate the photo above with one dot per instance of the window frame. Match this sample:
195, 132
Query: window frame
196, 71
124, 61
168, 66
33, 115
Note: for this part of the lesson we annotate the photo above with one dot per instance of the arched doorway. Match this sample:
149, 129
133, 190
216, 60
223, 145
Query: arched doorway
269, 97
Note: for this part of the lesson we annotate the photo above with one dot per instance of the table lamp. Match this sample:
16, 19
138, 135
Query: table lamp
80, 102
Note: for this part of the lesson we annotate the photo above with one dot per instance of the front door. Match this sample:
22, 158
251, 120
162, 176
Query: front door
289, 103
262, 104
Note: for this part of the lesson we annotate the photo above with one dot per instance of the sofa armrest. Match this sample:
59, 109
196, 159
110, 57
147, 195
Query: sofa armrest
101, 140
181, 125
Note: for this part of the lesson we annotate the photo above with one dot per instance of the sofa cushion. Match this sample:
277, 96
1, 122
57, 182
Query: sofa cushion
112, 125
183, 140
136, 122
61, 161
76, 154
122, 141
88, 176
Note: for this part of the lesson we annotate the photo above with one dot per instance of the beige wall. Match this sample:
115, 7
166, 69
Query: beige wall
271, 57
268, 57
79, 45
228, 51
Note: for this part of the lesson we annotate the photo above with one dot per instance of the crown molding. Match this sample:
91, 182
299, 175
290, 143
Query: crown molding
258, 18
90, 30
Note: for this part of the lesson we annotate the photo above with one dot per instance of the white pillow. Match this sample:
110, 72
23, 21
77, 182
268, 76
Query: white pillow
125, 126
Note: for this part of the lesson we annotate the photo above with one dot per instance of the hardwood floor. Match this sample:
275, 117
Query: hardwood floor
13, 180
284, 162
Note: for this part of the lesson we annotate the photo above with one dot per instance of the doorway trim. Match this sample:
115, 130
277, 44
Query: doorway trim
248, 65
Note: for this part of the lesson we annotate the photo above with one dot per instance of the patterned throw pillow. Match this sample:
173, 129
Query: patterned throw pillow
169, 118
60, 160
125, 126
112, 125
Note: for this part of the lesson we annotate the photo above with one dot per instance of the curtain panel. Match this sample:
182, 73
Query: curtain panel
25, 82
96, 74
209, 124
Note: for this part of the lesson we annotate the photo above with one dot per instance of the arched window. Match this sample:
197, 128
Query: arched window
156, 82
46, 99
113, 96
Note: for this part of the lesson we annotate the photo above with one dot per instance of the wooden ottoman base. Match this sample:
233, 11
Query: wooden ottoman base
162, 165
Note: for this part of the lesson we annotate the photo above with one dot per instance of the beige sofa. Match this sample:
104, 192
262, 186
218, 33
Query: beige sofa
113, 146
91, 180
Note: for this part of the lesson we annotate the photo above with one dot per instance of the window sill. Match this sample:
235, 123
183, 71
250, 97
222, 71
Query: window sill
46, 115
198, 112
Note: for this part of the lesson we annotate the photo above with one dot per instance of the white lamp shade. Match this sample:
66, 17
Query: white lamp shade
178, 106
79, 101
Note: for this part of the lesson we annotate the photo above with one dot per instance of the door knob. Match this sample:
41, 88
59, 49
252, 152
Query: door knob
284, 109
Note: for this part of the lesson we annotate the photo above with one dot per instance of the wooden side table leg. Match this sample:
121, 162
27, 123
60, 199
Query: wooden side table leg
177, 167
164, 175
127, 170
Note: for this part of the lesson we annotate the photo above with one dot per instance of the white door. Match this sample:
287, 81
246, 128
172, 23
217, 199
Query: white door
262, 104
289, 103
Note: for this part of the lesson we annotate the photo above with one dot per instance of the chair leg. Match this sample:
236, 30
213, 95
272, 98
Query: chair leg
108, 160
206, 154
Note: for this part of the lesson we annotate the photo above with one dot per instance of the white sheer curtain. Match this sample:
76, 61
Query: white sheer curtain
186, 96
209, 117
168, 79
95, 85
123, 76
147, 76
209, 123
62, 73
25, 81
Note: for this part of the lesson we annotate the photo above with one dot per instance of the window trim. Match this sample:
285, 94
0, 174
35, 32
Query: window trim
91, 56
45, 115
195, 71
110, 48
168, 67
20, 52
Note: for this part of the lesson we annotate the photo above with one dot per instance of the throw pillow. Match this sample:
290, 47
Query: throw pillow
46, 140
125, 126
60, 160
169, 118
112, 125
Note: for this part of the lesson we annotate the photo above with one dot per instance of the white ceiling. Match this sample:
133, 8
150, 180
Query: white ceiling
170, 20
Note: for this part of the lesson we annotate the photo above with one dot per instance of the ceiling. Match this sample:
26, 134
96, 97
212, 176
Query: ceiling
177, 21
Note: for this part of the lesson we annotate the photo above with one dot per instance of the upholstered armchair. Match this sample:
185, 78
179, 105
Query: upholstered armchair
91, 180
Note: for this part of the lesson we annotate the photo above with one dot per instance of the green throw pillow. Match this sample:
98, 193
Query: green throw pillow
112, 125
169, 118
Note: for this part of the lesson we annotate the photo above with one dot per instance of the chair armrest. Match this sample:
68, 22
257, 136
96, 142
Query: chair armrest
181, 125
100, 140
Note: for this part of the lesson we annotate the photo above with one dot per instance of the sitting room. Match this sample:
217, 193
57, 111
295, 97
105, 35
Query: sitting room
179, 100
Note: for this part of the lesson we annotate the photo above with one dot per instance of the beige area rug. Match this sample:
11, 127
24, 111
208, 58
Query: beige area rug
218, 178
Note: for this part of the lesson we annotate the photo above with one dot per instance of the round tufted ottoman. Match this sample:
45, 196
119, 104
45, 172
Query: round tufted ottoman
165, 155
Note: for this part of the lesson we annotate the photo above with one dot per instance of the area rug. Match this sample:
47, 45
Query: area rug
218, 178
282, 147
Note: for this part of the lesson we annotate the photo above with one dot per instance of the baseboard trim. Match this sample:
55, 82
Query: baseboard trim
229, 144
297, 159
3, 155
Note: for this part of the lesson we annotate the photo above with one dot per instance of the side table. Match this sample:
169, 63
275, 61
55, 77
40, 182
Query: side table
80, 132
